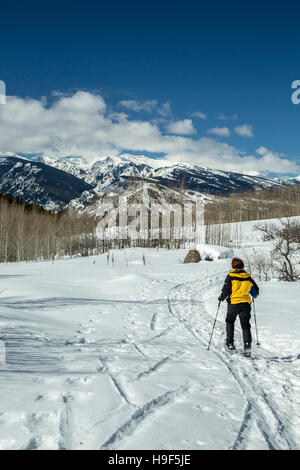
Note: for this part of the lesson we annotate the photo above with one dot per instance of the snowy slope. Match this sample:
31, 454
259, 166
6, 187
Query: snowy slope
145, 193
103, 357
74, 166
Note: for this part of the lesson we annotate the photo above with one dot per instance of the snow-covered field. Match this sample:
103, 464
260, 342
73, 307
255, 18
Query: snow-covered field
103, 357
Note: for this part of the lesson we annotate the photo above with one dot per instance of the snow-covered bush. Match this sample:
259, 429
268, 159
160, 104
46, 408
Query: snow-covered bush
214, 251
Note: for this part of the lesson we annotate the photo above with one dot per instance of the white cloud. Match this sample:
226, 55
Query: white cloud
262, 150
223, 117
199, 115
270, 158
244, 131
165, 109
184, 127
147, 107
80, 125
139, 106
221, 131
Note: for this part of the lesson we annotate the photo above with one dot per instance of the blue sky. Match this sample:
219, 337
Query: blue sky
166, 65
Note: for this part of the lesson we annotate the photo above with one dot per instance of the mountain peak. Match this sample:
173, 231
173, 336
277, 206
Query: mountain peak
138, 160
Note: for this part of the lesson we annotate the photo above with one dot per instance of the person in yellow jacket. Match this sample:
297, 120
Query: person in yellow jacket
237, 289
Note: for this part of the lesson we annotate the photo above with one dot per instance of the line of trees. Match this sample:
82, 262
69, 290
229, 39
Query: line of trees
30, 233
254, 205
222, 216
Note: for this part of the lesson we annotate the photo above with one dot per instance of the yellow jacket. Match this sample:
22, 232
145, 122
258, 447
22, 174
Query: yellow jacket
238, 286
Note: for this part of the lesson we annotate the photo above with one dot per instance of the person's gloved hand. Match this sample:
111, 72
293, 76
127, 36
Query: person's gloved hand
220, 298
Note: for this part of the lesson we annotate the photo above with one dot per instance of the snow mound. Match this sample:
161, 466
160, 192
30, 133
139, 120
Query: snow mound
214, 251
125, 284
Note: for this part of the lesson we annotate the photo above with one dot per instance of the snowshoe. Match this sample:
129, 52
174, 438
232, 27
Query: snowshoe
230, 347
247, 351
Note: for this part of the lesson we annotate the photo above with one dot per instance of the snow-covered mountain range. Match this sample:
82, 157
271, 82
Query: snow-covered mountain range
36, 182
55, 182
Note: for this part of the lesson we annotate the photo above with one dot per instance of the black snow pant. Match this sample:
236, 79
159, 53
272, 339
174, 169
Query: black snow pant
243, 310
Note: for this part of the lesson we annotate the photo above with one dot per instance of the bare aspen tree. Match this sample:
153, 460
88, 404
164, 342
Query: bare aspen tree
260, 264
285, 240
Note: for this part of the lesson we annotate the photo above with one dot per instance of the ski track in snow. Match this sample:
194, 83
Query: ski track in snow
165, 332
138, 349
153, 368
259, 406
126, 429
66, 424
154, 321
115, 381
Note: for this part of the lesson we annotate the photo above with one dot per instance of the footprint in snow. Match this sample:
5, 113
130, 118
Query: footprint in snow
79, 380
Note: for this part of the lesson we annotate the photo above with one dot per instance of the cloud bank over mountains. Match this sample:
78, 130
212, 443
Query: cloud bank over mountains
82, 124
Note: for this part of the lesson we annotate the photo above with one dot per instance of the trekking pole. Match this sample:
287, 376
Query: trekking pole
257, 342
214, 325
